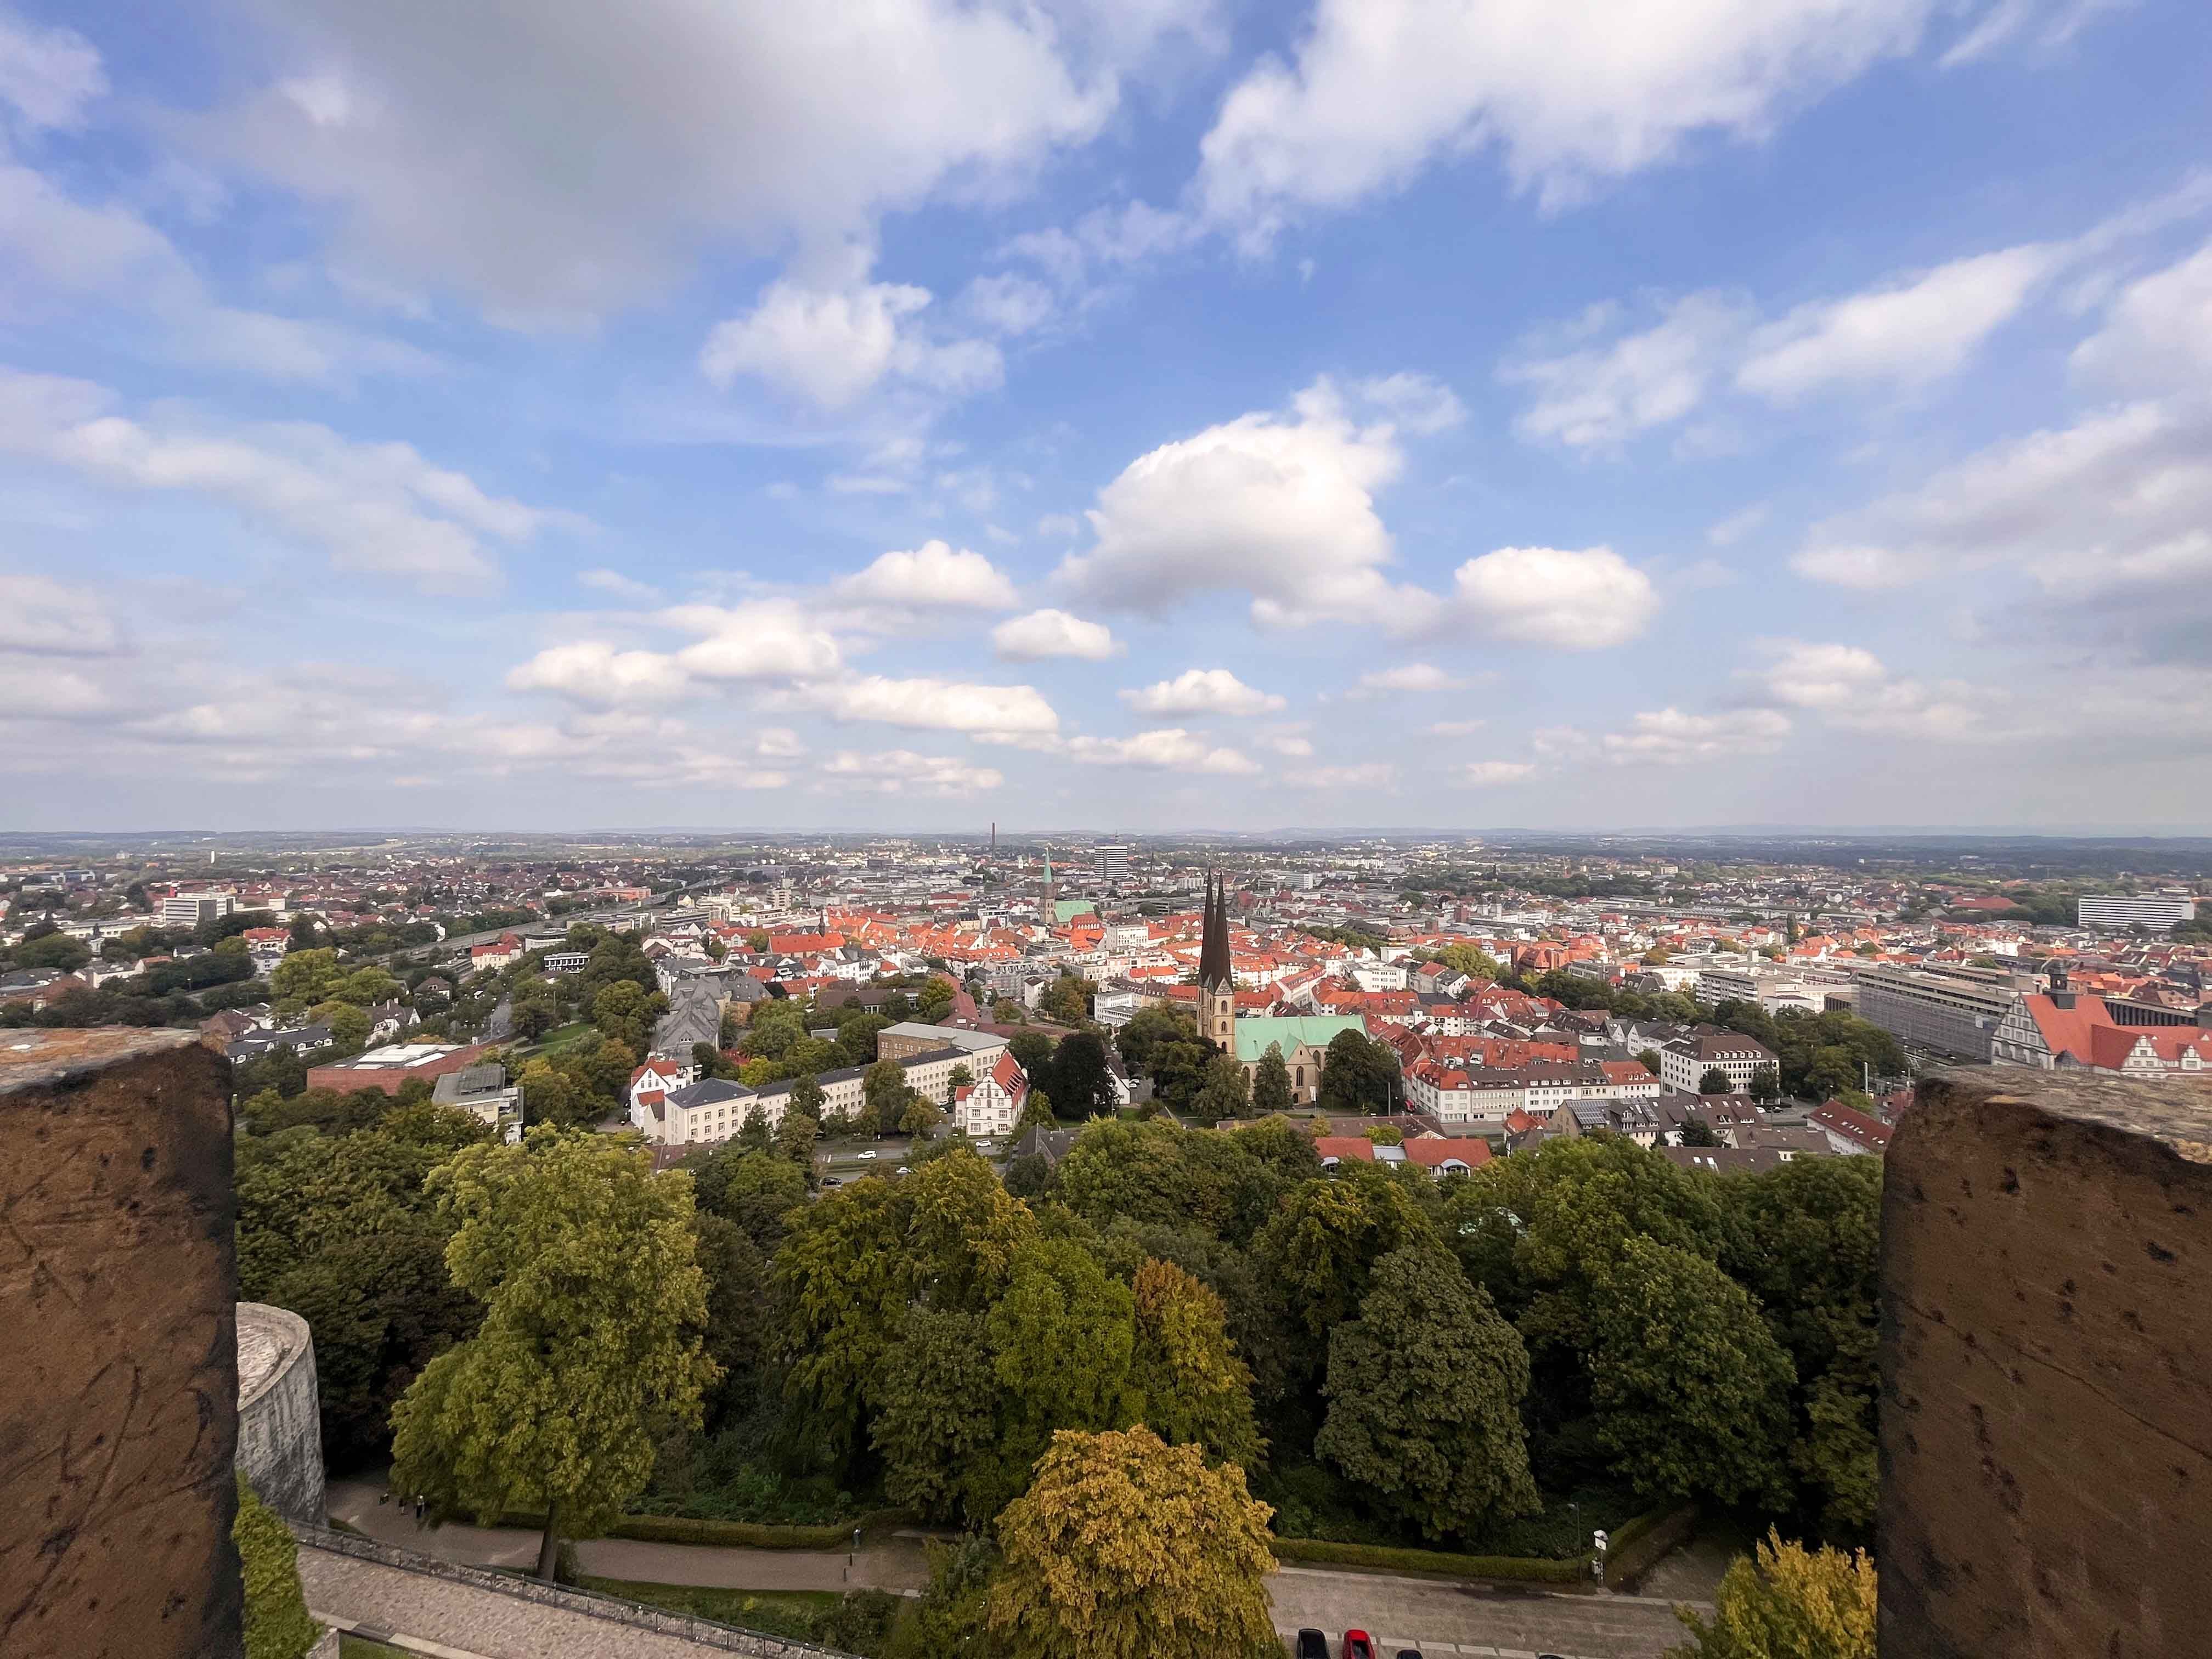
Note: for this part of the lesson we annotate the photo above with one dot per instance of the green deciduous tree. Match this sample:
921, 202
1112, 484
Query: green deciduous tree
884, 1092
1425, 1395
1195, 1389
1271, 1084
277, 1624
1715, 1082
1357, 1075
1126, 1548
625, 1011
587, 1265
350, 1026
936, 1427
1226, 1093
1322, 1242
1785, 1601
307, 977
1691, 1390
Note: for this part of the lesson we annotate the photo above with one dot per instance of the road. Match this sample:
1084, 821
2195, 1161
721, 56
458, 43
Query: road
1435, 1616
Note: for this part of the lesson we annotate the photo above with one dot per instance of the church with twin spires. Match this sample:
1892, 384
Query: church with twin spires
1217, 981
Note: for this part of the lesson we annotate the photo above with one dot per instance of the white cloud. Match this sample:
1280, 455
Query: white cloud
621, 587
1848, 687
48, 75
374, 507
1168, 748
1415, 403
2157, 335
1577, 600
1413, 676
1571, 96
931, 576
902, 772
1289, 743
61, 253
1599, 397
1456, 728
624, 144
1482, 774
1202, 691
1008, 303
43, 617
1131, 233
831, 346
1669, 737
1060, 524
765, 640
1012, 712
598, 676
1044, 634
1281, 509
2117, 502
1905, 333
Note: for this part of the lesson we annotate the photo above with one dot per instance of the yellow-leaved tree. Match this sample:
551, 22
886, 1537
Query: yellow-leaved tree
1126, 1548
1785, 1601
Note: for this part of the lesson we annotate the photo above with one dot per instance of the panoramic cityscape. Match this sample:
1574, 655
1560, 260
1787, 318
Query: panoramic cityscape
1044, 831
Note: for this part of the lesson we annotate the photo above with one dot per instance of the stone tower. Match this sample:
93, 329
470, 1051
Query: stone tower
1217, 983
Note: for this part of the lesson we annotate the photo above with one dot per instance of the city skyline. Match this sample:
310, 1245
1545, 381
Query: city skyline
1146, 418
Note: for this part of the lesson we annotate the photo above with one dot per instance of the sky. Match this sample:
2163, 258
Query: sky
1130, 417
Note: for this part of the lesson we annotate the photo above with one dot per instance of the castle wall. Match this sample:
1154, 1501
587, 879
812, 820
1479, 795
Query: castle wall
2046, 1361
118, 1288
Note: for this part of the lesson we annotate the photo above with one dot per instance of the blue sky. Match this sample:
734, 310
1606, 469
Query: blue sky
1131, 417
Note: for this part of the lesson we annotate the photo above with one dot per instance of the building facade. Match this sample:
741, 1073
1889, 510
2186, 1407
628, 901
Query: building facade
1949, 1011
2158, 911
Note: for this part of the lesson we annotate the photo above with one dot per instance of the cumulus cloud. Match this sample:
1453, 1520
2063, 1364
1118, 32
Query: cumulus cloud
1202, 691
1003, 712
1377, 90
1043, 633
1583, 599
1849, 687
625, 144
902, 772
1482, 774
599, 676
1280, 508
1668, 736
1412, 677
375, 507
832, 346
1167, 749
621, 587
765, 640
931, 576
42, 617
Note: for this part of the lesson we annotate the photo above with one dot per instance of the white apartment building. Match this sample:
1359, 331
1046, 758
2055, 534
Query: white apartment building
191, 910
1683, 1064
2118, 910
992, 1105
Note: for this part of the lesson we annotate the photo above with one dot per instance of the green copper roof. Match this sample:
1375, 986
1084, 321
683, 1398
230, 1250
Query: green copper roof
1068, 910
1253, 1036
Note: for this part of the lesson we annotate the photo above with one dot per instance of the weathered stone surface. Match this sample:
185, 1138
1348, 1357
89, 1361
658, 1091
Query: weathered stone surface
117, 1287
280, 1432
2046, 1361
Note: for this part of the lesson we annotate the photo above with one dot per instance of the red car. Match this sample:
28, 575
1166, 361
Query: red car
1358, 1644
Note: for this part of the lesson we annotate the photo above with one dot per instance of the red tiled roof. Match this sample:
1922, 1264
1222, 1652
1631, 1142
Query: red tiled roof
1432, 1153
1356, 1148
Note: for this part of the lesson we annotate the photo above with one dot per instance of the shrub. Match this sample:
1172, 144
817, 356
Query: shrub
277, 1622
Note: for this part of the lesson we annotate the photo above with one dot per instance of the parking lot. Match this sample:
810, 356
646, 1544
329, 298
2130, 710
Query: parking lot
1441, 1618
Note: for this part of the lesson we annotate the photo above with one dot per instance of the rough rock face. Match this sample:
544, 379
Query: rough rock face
117, 1290
2046, 1361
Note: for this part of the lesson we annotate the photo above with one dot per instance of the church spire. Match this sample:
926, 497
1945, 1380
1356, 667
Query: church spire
1213, 969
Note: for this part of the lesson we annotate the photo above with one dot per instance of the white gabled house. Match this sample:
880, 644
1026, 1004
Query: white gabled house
992, 1105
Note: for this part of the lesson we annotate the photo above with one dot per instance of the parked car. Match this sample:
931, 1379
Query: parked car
832, 1181
1359, 1645
1312, 1644
1409, 1653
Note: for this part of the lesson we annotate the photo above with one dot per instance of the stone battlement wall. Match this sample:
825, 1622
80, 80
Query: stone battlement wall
2046, 1362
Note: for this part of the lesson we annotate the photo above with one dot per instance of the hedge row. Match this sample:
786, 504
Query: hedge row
745, 1535
1524, 1569
1636, 1545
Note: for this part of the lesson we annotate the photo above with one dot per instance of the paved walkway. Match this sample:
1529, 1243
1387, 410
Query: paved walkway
1440, 1618
894, 1563
463, 1619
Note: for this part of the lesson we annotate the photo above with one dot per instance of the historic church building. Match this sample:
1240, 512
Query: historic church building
1216, 981
1302, 1040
